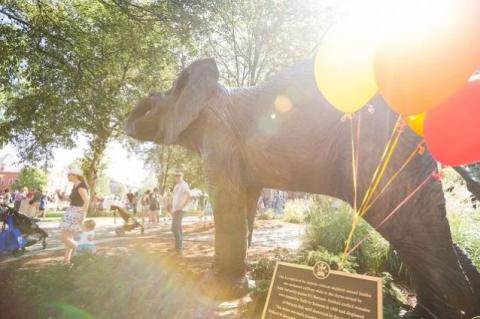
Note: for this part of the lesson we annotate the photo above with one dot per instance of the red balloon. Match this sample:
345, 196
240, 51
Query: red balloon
452, 130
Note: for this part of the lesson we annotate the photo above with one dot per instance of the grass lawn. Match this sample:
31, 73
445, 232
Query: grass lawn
129, 278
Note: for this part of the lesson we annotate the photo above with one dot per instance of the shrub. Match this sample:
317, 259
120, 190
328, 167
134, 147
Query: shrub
295, 211
266, 215
311, 257
293, 217
393, 298
30, 177
264, 267
328, 228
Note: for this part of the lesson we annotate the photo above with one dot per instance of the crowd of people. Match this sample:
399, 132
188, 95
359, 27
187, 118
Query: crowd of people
32, 203
173, 202
151, 206
155, 205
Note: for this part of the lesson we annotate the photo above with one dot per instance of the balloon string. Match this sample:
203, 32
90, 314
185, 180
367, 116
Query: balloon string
354, 169
382, 171
358, 146
392, 179
395, 132
386, 155
391, 214
355, 152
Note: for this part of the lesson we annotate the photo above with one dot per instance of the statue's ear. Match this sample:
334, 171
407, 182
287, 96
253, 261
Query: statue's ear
191, 91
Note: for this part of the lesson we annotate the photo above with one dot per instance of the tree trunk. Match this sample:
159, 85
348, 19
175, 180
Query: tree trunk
92, 166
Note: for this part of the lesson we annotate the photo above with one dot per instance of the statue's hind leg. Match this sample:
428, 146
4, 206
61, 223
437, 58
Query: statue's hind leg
420, 233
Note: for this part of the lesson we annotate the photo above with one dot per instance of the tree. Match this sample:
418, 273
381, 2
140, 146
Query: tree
251, 40
78, 69
103, 185
30, 177
164, 160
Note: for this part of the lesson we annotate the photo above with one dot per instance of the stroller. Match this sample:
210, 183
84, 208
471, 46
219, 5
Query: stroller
28, 227
130, 222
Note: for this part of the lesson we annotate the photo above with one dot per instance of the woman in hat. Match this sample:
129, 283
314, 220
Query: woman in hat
75, 214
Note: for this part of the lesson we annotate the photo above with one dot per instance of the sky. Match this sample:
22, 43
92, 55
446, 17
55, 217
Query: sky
123, 165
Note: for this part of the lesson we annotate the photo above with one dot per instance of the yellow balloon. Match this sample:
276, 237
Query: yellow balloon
344, 68
416, 122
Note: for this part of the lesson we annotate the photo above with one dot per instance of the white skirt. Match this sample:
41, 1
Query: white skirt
72, 219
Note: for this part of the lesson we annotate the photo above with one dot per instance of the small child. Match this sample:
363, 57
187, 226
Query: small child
87, 244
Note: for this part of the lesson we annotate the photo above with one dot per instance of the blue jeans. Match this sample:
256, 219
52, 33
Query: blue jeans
177, 230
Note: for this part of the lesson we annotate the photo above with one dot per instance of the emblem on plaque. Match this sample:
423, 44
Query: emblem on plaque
321, 270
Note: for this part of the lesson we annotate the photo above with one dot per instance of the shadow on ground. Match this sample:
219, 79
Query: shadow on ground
128, 278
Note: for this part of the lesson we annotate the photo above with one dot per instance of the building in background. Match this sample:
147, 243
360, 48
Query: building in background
8, 172
6, 179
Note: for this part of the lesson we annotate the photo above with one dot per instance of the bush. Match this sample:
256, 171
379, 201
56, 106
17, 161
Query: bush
266, 215
393, 298
329, 229
30, 177
293, 217
264, 267
311, 257
295, 211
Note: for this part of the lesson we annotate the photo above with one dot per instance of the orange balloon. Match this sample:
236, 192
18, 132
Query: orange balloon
416, 123
417, 69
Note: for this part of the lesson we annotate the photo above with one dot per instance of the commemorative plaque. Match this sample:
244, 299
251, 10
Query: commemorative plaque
299, 291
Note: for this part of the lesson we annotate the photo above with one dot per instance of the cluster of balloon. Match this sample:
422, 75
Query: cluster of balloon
420, 56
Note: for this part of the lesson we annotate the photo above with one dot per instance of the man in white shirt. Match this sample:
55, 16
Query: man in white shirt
180, 199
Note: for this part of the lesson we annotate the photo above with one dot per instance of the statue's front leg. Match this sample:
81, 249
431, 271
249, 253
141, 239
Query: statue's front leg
228, 278
230, 233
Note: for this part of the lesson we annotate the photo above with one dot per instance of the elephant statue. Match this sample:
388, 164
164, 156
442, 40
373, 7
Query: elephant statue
283, 134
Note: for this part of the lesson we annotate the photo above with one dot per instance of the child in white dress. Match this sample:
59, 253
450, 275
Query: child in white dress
87, 238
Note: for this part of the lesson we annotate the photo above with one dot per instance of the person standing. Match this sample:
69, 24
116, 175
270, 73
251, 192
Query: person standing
35, 201
134, 203
155, 199
75, 214
128, 200
25, 208
19, 197
145, 202
181, 197
7, 197
42, 206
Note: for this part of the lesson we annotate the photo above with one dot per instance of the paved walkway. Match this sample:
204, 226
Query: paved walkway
288, 236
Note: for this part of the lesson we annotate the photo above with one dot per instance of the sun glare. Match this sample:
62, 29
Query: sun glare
371, 20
